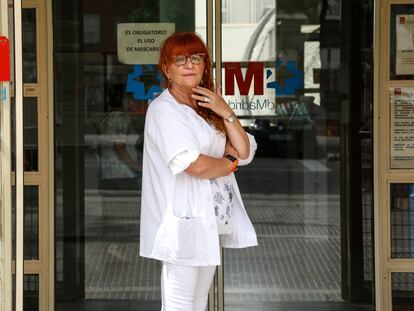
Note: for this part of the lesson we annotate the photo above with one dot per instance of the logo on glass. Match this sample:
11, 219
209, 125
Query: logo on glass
287, 81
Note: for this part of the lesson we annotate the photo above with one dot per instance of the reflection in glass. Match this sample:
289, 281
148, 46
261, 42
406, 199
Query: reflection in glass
402, 220
402, 291
100, 107
367, 204
31, 222
31, 292
366, 141
30, 133
292, 188
30, 120
29, 45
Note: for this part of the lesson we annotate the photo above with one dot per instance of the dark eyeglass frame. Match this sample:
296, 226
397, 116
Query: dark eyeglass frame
181, 59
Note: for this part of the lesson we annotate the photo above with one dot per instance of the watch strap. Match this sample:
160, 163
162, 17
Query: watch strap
234, 160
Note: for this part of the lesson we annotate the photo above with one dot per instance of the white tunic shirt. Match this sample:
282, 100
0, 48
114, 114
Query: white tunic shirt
178, 222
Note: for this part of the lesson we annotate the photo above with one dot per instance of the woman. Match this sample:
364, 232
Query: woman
118, 154
190, 201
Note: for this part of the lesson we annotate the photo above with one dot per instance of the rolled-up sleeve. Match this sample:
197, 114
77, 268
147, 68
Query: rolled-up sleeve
174, 137
183, 160
253, 147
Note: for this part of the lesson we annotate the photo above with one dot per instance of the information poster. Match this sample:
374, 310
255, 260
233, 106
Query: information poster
139, 43
405, 44
402, 127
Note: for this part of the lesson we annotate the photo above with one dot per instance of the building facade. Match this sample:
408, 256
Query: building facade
325, 87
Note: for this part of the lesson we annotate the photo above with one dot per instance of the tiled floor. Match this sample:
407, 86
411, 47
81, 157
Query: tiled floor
297, 261
298, 258
110, 305
299, 306
295, 267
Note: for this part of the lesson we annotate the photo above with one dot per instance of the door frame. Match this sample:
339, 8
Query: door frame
6, 215
384, 174
51, 158
383, 264
43, 177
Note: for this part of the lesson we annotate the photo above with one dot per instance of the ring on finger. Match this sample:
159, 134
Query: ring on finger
207, 99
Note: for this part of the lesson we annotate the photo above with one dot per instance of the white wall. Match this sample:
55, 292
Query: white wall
235, 38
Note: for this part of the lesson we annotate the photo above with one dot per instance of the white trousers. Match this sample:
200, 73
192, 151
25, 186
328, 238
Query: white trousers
185, 288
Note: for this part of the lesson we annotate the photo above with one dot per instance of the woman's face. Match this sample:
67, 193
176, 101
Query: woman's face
185, 71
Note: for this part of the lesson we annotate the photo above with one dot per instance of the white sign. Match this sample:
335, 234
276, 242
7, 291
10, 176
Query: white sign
405, 45
402, 127
140, 43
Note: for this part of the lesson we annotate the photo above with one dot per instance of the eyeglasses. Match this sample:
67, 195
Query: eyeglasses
196, 59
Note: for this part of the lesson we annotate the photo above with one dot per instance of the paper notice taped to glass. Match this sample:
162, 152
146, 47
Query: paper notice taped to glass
405, 44
402, 127
140, 43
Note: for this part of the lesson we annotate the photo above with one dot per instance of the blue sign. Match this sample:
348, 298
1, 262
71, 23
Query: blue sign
288, 78
144, 82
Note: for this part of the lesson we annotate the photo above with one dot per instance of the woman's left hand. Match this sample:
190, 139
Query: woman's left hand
213, 101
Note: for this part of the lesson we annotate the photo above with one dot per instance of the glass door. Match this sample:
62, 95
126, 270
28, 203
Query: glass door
102, 89
286, 75
25, 160
285, 70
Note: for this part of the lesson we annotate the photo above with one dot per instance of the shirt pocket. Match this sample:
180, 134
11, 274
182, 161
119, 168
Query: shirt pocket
182, 236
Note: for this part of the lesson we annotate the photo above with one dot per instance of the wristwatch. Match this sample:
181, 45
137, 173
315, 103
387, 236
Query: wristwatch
234, 160
231, 118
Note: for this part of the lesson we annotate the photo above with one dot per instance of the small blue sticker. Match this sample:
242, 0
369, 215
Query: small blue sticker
3, 94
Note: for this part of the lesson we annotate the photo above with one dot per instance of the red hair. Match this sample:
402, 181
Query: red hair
189, 43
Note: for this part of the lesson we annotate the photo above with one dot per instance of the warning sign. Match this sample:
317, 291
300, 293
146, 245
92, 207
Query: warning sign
140, 43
